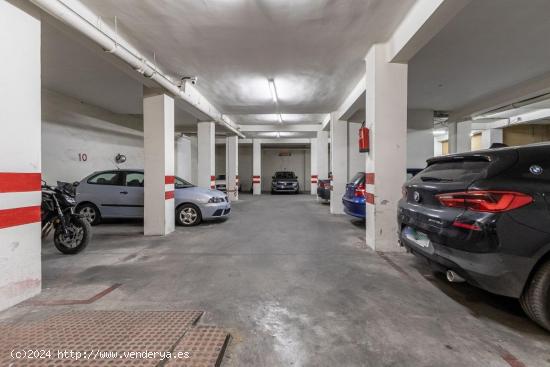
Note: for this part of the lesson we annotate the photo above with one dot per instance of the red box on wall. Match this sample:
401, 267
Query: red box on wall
364, 145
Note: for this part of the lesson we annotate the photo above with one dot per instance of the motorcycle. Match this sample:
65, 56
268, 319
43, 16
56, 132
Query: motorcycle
72, 232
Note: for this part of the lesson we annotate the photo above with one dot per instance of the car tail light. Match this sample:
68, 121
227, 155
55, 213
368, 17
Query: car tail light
322, 184
485, 201
360, 190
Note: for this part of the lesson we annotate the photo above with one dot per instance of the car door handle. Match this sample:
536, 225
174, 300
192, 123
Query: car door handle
124, 192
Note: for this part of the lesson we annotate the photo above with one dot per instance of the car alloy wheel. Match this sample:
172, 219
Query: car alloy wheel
188, 216
89, 213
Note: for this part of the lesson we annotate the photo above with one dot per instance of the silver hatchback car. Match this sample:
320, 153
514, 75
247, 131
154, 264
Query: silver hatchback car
119, 194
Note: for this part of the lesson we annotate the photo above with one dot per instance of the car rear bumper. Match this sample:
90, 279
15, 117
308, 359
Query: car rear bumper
494, 272
355, 208
323, 193
215, 210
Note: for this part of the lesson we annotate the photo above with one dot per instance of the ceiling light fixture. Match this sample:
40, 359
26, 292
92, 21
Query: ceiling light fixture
273, 91
278, 134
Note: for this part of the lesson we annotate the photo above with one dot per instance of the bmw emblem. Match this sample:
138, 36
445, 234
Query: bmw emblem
536, 169
416, 196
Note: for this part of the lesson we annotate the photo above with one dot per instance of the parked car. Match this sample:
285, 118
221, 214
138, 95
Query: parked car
285, 181
484, 217
323, 188
354, 197
119, 194
221, 183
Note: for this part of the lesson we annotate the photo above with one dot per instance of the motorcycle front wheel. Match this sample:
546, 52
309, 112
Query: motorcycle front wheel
79, 233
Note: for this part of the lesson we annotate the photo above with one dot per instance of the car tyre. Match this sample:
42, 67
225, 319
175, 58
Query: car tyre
90, 212
188, 215
535, 299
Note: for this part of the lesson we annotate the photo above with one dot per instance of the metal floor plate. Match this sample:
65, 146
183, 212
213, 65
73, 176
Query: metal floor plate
88, 332
205, 345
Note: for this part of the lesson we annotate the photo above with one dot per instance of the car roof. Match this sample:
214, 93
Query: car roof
491, 154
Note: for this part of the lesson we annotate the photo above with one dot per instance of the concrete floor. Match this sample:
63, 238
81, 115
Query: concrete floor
296, 287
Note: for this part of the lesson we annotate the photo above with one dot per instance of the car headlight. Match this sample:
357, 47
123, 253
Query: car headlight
69, 199
216, 200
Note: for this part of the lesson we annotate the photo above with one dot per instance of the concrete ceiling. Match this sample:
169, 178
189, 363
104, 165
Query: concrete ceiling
488, 46
290, 119
74, 67
313, 49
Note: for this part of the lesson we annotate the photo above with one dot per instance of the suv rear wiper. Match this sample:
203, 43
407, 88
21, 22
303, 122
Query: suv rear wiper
435, 179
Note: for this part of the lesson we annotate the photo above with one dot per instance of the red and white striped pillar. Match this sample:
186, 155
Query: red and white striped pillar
213, 182
386, 118
232, 167
313, 166
158, 132
256, 167
20, 149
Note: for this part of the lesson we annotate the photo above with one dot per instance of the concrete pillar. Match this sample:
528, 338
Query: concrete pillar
463, 137
206, 154
232, 167
386, 163
490, 137
339, 163
256, 167
183, 158
158, 132
452, 132
322, 155
20, 149
313, 166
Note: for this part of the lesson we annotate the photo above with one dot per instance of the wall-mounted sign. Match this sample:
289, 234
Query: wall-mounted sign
83, 157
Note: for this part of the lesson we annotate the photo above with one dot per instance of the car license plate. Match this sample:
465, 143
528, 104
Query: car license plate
418, 238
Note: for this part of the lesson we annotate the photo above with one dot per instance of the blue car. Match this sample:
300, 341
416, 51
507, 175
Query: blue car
354, 198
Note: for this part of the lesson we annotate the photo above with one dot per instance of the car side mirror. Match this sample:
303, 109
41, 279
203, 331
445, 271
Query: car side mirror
76, 183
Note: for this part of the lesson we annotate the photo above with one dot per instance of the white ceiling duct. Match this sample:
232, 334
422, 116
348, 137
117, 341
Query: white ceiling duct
110, 42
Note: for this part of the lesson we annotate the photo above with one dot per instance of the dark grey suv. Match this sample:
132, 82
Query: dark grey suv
484, 217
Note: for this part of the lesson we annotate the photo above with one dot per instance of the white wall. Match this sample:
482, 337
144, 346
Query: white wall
420, 146
298, 162
220, 159
70, 128
183, 158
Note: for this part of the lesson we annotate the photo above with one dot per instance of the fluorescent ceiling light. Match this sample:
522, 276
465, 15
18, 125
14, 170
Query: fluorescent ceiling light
278, 134
439, 132
273, 91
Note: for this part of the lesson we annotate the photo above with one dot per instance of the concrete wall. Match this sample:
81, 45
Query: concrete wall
220, 159
299, 161
420, 146
245, 167
78, 139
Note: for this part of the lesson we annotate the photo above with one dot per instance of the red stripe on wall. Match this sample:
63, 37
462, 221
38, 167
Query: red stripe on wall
169, 180
255, 176
19, 216
369, 178
369, 198
20, 182
168, 195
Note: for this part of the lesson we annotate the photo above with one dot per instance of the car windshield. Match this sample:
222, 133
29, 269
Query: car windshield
461, 170
220, 177
285, 175
181, 184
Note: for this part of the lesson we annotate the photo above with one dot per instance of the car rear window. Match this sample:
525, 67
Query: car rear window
453, 171
358, 178
285, 175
